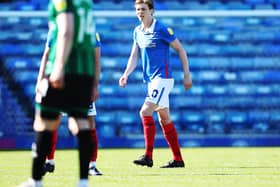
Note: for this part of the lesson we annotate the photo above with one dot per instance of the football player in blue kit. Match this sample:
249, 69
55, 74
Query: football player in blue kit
152, 41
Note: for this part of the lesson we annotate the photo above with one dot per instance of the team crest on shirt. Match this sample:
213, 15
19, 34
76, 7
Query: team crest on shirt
170, 31
60, 5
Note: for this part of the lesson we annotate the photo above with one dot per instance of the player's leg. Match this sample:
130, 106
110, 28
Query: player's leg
149, 129
47, 120
45, 128
44, 125
50, 156
81, 128
171, 137
49, 165
78, 103
156, 91
92, 165
163, 88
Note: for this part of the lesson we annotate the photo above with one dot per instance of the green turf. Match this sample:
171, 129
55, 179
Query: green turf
205, 167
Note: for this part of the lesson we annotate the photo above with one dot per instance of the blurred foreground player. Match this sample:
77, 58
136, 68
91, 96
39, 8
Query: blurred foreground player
49, 166
68, 86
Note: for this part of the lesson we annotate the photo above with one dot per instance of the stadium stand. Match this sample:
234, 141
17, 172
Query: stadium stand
29, 5
234, 62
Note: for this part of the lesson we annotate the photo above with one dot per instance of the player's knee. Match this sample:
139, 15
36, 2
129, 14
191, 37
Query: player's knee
43, 124
164, 121
146, 111
76, 125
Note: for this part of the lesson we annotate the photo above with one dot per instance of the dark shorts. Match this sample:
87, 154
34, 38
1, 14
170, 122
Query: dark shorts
73, 99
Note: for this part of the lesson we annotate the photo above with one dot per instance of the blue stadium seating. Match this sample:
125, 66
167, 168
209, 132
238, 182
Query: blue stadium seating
234, 63
194, 122
159, 4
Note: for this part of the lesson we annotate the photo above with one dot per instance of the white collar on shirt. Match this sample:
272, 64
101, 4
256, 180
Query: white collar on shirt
151, 28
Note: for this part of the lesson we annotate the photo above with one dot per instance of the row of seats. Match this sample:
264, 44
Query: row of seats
159, 4
227, 68
207, 83
123, 122
12, 116
122, 49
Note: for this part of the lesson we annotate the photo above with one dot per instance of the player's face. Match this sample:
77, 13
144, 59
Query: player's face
143, 12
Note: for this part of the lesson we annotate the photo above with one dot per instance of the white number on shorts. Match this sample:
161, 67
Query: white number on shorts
155, 93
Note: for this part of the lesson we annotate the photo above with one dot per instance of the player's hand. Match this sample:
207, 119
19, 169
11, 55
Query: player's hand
187, 81
123, 81
57, 77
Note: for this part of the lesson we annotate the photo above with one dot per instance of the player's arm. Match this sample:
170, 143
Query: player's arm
131, 65
65, 22
97, 60
43, 63
177, 46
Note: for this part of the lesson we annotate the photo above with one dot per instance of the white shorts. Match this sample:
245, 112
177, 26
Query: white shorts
92, 110
158, 92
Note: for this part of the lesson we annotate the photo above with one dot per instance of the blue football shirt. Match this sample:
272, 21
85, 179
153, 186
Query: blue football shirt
154, 47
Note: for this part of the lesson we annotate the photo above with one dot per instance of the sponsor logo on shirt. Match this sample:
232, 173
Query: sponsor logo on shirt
170, 31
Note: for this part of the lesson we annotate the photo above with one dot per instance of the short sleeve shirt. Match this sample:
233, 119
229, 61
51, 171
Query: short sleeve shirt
154, 44
80, 60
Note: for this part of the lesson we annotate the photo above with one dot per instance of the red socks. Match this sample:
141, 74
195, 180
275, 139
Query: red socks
171, 137
95, 145
50, 155
149, 129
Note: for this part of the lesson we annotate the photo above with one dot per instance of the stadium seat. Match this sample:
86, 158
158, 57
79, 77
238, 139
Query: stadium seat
216, 90
127, 117
254, 2
107, 131
209, 76
241, 89
198, 63
261, 127
239, 63
264, 6
189, 102
251, 76
110, 90
5, 6
129, 122
193, 122
272, 76
268, 102
26, 76
197, 90
264, 90
237, 5
176, 118
104, 117
275, 119
237, 121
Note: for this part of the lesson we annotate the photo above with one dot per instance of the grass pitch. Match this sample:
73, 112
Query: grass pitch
205, 167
